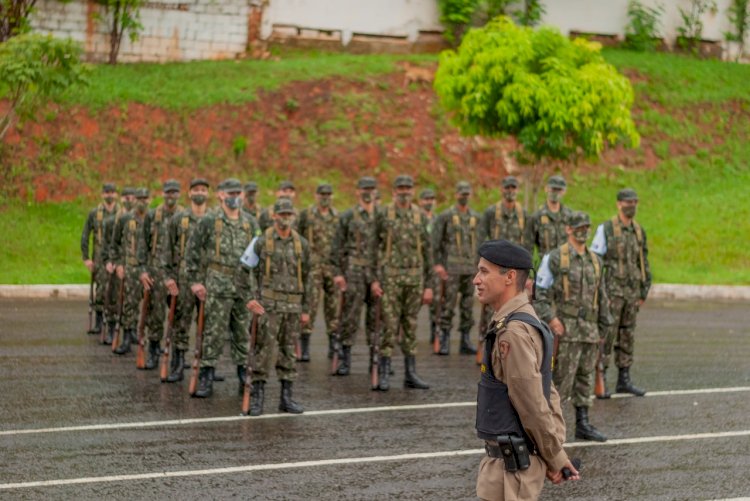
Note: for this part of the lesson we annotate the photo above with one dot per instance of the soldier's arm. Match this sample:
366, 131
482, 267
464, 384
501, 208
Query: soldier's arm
427, 261
256, 273
438, 240
88, 227
306, 284
645, 286
530, 231
544, 304
485, 225
375, 271
167, 258
142, 247
338, 250
195, 250
116, 255
302, 223
605, 320
528, 243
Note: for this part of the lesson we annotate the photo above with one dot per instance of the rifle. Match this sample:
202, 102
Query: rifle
91, 305
337, 335
198, 354
438, 314
120, 301
599, 387
164, 369
140, 355
375, 349
249, 366
106, 301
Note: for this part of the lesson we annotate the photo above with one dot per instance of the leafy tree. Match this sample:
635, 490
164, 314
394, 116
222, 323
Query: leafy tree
34, 68
123, 17
691, 30
557, 97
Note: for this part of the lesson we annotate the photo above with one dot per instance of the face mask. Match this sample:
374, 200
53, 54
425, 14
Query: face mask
404, 198
170, 202
128, 204
463, 201
250, 198
109, 199
198, 199
325, 202
141, 205
629, 211
285, 222
366, 197
554, 196
509, 196
232, 202
581, 235
428, 207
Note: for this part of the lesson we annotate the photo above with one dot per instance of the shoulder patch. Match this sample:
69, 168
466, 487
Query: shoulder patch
504, 348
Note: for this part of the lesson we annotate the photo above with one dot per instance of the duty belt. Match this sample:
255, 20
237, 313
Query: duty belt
498, 451
294, 297
579, 312
409, 272
221, 268
358, 261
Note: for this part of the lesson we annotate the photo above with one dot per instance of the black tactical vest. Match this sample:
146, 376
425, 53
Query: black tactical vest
495, 413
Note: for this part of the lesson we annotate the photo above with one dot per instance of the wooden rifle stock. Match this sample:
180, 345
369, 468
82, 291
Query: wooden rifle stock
249, 366
375, 348
599, 386
337, 335
103, 331
164, 368
118, 327
140, 354
438, 314
198, 354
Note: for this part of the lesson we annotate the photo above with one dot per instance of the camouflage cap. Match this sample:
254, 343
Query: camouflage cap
286, 185
366, 182
231, 185
170, 185
199, 181
426, 193
142, 193
404, 180
128, 190
109, 188
510, 181
283, 206
251, 186
463, 188
578, 219
324, 189
557, 182
627, 194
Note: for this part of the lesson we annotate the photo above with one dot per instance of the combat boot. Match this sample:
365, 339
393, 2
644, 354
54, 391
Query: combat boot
257, 394
606, 394
205, 383
445, 342
304, 344
98, 325
586, 430
125, 343
154, 350
110, 332
624, 385
345, 361
287, 404
178, 365
411, 379
241, 374
466, 347
384, 373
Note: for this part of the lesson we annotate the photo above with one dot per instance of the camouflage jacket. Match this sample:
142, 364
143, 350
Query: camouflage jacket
154, 237
352, 243
319, 230
125, 237
510, 224
575, 294
455, 240
401, 246
179, 229
280, 277
95, 223
255, 211
109, 232
625, 252
546, 229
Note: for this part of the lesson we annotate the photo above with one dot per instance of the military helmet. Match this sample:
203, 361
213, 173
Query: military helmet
142, 193
109, 188
199, 181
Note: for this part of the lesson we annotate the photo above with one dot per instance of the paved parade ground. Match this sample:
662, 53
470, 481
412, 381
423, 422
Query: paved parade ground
79, 423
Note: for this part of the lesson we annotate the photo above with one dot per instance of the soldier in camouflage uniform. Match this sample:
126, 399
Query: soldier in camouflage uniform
455, 243
572, 299
350, 261
125, 257
280, 263
251, 206
622, 243
150, 250
174, 266
427, 204
546, 227
318, 225
286, 190
402, 263
95, 223
217, 277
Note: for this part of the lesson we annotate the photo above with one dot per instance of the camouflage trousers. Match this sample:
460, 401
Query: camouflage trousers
621, 336
575, 367
105, 300
402, 298
277, 333
183, 317
132, 301
224, 314
322, 284
357, 294
157, 307
458, 285
434, 320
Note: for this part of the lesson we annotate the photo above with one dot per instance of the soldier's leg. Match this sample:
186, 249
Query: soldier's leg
411, 301
111, 309
566, 366
583, 392
316, 277
354, 298
217, 311
466, 311
625, 341
452, 286
285, 362
183, 316
616, 308
265, 345
100, 285
239, 340
391, 311
132, 295
157, 310
331, 304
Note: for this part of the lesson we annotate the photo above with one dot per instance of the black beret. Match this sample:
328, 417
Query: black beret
366, 182
510, 181
171, 185
506, 254
286, 185
324, 189
199, 181
627, 194
109, 188
426, 193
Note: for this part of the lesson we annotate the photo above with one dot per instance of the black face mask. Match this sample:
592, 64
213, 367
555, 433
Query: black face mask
463, 201
629, 211
250, 198
141, 206
198, 199
128, 204
581, 235
232, 202
366, 197
108, 199
404, 198
428, 207
509, 196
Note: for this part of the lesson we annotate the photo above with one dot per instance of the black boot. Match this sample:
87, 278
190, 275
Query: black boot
445, 342
257, 394
345, 361
110, 332
584, 429
287, 404
205, 383
411, 379
98, 325
606, 394
624, 385
304, 345
241, 373
178, 365
154, 350
466, 347
384, 373
124, 347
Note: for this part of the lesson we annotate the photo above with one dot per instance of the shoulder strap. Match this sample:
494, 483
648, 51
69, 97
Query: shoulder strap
620, 245
391, 216
498, 216
298, 255
184, 224
457, 228
597, 274
639, 238
417, 216
218, 228
565, 269
269, 250
519, 215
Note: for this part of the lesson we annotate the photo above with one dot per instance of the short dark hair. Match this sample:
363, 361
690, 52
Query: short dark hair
521, 277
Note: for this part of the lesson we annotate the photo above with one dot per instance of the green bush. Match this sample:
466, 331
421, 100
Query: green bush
642, 32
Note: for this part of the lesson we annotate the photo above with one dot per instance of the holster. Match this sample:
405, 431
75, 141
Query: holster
512, 450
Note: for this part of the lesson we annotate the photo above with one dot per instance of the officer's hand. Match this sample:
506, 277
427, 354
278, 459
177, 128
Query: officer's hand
440, 271
558, 329
120, 270
427, 296
109, 267
146, 280
255, 306
304, 318
376, 290
199, 291
556, 476
89, 264
340, 282
172, 287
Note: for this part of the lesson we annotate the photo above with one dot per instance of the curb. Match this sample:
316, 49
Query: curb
658, 291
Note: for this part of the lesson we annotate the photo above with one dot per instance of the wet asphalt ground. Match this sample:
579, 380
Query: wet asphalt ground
675, 443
